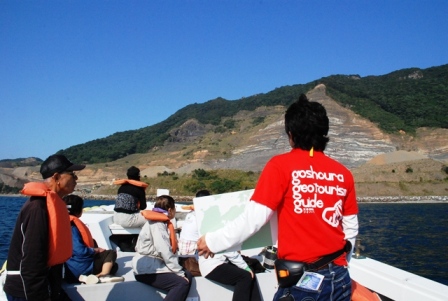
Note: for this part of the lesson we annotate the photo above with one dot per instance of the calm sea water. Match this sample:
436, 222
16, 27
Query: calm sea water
412, 237
9, 209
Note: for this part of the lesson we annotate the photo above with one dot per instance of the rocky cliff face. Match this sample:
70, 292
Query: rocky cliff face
189, 131
353, 140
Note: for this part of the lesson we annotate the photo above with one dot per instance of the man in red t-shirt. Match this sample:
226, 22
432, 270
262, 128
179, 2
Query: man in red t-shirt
315, 200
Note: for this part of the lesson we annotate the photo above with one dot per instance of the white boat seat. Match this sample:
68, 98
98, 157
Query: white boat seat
117, 229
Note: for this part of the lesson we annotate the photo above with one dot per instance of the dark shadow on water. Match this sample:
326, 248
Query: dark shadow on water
411, 237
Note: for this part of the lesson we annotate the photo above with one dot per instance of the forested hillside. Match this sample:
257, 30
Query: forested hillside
403, 100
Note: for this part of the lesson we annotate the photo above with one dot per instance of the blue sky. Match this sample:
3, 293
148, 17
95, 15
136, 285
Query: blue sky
75, 71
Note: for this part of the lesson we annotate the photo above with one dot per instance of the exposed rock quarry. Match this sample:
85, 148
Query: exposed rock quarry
353, 139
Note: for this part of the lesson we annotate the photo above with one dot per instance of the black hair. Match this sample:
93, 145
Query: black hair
76, 203
133, 173
203, 192
306, 122
164, 202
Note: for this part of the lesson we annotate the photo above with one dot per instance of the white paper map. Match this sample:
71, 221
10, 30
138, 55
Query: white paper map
214, 211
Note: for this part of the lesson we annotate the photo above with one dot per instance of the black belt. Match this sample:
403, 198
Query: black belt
325, 260
289, 272
324, 267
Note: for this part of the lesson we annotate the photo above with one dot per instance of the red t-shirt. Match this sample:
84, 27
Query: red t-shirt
311, 194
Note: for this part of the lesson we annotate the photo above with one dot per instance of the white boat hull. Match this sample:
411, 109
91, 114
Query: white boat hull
393, 283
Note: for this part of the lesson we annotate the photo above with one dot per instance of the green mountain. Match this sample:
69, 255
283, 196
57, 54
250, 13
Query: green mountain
403, 100
19, 162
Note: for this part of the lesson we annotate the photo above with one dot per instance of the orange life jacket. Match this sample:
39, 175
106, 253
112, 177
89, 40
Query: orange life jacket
188, 207
84, 230
132, 182
59, 232
160, 217
361, 293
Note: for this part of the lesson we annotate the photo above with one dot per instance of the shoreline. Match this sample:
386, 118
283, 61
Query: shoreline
361, 200
404, 199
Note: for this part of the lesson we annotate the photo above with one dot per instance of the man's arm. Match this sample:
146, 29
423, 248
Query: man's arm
80, 250
350, 228
254, 217
161, 242
34, 269
142, 198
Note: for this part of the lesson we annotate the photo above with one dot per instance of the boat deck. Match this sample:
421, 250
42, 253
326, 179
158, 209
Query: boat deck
201, 288
393, 283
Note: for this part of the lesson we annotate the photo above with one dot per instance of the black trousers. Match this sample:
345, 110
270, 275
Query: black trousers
246, 287
177, 287
106, 256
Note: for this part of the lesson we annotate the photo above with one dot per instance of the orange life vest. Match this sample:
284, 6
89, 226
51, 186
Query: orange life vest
361, 293
132, 182
59, 232
160, 217
84, 230
188, 207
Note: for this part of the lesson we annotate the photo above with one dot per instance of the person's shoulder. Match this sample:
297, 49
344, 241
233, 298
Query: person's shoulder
75, 229
155, 228
125, 185
128, 188
36, 202
337, 167
34, 206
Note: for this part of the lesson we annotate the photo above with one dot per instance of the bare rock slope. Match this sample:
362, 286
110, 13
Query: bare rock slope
353, 139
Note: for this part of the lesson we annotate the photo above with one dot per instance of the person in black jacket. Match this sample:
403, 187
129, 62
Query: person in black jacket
41, 240
138, 192
131, 198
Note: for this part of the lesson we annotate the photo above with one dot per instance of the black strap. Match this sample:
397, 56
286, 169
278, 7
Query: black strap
329, 258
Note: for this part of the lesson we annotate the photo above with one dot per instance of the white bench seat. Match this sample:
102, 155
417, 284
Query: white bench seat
117, 229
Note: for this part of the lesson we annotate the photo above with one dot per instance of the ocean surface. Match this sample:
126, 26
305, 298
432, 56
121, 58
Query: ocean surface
409, 236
